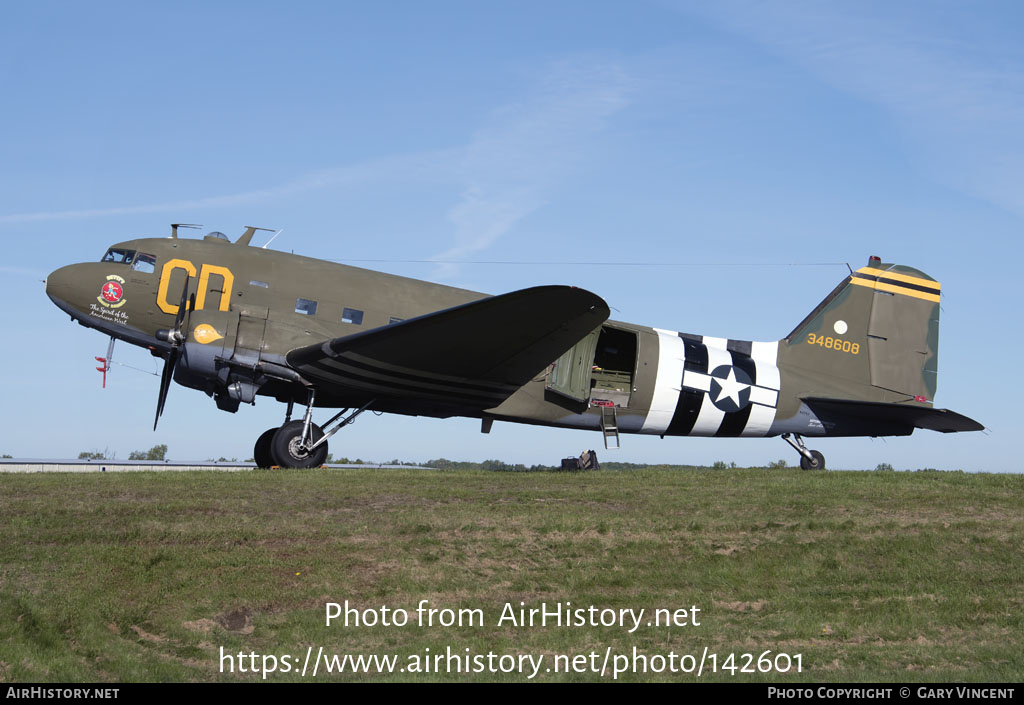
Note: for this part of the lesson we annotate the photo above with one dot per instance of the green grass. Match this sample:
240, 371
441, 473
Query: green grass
870, 576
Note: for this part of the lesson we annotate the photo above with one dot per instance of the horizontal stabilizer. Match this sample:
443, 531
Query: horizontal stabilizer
476, 354
888, 413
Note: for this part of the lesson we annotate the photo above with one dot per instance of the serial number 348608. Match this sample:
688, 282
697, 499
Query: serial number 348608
836, 344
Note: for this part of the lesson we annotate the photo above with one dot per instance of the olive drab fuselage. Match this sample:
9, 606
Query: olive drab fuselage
251, 312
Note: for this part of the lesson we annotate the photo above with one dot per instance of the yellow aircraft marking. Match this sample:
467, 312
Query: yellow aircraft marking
204, 281
205, 272
894, 289
206, 333
837, 344
165, 281
900, 277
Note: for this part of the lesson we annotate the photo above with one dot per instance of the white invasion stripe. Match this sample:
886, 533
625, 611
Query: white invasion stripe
710, 417
760, 420
761, 417
767, 375
765, 352
715, 344
671, 354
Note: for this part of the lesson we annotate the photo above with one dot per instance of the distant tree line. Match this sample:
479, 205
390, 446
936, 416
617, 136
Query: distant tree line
158, 452
155, 453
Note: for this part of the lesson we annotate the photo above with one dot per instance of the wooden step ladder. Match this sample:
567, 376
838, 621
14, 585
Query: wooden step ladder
610, 427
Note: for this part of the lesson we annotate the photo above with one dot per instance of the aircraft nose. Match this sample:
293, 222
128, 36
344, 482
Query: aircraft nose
58, 284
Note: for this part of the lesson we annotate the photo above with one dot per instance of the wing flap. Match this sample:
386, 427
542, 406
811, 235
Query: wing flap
476, 354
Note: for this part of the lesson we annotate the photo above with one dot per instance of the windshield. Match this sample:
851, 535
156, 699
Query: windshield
144, 263
119, 256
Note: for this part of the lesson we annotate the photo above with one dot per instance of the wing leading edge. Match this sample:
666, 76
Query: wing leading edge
475, 355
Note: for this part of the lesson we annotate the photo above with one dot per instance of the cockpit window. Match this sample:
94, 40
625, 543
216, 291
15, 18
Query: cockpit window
118, 256
144, 263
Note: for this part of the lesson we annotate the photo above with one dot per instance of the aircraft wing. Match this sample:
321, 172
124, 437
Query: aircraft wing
942, 420
474, 355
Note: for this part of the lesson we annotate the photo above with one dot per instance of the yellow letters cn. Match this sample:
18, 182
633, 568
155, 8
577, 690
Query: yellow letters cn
165, 280
205, 272
204, 281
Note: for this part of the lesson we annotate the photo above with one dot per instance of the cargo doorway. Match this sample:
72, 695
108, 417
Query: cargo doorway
611, 376
598, 370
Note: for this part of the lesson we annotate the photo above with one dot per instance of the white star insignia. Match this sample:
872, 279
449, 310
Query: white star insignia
730, 388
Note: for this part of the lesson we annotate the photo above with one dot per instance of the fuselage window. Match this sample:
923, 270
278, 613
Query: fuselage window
351, 315
305, 307
257, 282
118, 256
144, 263
395, 319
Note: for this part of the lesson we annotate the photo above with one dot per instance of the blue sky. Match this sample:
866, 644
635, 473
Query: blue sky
723, 142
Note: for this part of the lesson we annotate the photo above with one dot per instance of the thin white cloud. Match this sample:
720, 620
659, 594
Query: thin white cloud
414, 166
954, 88
506, 171
512, 166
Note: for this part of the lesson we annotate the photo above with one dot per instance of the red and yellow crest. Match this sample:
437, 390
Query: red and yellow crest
112, 292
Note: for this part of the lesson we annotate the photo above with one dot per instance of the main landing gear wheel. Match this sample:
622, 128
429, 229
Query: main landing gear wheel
288, 450
809, 459
816, 463
292, 445
261, 453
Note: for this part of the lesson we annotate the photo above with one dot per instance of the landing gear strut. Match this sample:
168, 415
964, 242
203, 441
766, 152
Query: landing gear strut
300, 444
292, 445
809, 459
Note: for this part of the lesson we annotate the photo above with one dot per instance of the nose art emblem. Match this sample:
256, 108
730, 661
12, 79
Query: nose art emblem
112, 292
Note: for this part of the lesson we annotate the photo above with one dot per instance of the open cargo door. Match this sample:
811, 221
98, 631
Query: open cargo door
570, 375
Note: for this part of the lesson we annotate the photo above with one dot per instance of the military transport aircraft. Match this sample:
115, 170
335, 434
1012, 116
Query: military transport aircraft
238, 321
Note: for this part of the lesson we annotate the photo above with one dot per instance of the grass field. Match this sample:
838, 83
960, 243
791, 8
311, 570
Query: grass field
870, 576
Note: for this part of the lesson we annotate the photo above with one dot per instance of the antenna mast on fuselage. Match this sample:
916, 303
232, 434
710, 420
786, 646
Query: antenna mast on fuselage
175, 226
249, 232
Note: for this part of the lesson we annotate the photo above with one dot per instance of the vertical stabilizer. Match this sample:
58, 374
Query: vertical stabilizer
876, 336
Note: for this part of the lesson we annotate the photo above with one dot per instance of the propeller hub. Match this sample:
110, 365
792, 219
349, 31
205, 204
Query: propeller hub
174, 337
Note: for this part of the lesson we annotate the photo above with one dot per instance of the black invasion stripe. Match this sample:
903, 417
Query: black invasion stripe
734, 422
316, 369
743, 361
743, 347
685, 416
695, 356
497, 388
896, 282
688, 405
692, 338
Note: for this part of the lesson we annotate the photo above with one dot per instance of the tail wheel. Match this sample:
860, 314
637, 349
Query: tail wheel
288, 451
817, 462
261, 453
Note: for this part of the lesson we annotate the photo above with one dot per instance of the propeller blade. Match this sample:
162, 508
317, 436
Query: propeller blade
176, 339
182, 309
165, 384
188, 316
